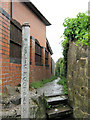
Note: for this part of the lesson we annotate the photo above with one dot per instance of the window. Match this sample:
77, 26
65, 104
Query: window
46, 58
15, 42
38, 53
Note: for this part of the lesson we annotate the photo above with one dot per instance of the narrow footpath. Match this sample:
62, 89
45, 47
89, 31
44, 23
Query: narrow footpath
51, 89
58, 102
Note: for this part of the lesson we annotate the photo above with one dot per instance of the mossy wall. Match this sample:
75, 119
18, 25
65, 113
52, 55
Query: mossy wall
78, 75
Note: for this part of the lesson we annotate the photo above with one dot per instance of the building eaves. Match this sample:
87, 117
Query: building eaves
37, 12
49, 47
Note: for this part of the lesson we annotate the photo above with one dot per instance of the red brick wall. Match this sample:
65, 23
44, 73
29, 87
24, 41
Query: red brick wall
6, 5
4, 45
38, 28
39, 72
10, 73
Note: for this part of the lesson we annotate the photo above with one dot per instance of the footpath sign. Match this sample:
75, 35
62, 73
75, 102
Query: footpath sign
25, 70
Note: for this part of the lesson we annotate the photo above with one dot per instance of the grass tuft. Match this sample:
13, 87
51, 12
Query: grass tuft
42, 82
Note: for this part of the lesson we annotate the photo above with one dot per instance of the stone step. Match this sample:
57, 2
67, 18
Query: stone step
58, 105
57, 100
59, 112
52, 94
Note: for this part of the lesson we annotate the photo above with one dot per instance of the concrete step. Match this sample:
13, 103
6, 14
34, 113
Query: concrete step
59, 112
57, 100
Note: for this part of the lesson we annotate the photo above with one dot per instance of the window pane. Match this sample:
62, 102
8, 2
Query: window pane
38, 54
46, 58
15, 52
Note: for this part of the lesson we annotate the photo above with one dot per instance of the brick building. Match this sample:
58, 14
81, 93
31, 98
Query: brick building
12, 16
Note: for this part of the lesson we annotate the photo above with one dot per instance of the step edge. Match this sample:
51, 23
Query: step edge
57, 100
69, 109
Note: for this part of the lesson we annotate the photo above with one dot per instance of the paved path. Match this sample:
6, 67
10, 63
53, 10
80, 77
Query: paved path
51, 89
57, 100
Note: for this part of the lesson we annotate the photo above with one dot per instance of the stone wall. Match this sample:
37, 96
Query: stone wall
78, 74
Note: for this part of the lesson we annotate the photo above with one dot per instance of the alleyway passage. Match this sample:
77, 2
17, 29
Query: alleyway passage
51, 89
59, 108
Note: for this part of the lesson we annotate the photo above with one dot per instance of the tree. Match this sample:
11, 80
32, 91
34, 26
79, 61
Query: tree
60, 68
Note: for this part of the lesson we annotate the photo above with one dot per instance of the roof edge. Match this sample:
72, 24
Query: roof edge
37, 12
51, 52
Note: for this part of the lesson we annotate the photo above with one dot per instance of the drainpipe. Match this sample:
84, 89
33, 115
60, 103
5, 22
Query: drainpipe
11, 7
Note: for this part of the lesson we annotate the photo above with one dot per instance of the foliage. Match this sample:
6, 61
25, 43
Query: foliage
42, 82
77, 29
62, 81
60, 71
57, 68
65, 45
47, 104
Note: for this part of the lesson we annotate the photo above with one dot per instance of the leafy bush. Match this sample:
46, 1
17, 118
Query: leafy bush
77, 29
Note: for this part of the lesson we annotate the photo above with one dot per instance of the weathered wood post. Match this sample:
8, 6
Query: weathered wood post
25, 70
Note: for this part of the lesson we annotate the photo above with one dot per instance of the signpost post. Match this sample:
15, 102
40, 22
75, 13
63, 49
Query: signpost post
25, 70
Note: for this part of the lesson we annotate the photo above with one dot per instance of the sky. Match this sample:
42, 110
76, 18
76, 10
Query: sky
55, 12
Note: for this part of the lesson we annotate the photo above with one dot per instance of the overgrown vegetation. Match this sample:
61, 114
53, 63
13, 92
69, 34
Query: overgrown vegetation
78, 30
65, 45
63, 82
42, 82
60, 68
